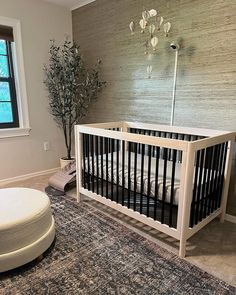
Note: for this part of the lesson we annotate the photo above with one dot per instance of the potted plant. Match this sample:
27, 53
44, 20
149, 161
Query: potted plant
71, 87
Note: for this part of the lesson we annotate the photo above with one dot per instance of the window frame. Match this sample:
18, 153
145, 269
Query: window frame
16, 48
11, 82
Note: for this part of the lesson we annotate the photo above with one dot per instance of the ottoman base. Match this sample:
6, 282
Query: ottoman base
27, 226
30, 252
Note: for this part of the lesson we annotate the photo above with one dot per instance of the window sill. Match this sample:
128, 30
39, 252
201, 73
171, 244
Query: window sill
14, 132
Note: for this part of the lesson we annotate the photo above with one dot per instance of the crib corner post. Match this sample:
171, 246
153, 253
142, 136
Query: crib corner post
182, 247
78, 157
186, 189
124, 127
226, 179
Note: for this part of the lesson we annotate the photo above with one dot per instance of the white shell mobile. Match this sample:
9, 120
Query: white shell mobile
152, 29
142, 24
154, 42
132, 26
161, 21
145, 15
166, 28
152, 12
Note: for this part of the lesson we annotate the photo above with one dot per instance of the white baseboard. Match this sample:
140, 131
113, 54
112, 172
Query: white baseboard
23, 177
230, 218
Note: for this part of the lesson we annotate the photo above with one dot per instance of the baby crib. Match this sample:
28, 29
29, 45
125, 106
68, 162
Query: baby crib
173, 179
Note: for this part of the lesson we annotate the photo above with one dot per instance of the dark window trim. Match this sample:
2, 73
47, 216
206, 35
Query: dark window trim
12, 87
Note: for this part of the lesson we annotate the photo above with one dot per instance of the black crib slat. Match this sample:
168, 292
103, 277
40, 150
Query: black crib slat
156, 181
169, 135
112, 168
149, 177
84, 161
211, 181
107, 167
165, 151
88, 161
129, 168
199, 189
123, 172
92, 154
97, 163
142, 184
217, 175
153, 150
195, 188
139, 145
108, 143
222, 174
204, 185
172, 191
102, 172
135, 173
207, 180
117, 170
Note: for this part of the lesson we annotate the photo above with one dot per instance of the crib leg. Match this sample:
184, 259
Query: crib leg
222, 217
78, 196
79, 156
227, 178
182, 248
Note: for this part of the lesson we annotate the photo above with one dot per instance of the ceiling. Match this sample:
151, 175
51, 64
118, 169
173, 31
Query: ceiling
71, 4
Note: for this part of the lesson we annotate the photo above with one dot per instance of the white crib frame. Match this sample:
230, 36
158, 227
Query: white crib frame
182, 232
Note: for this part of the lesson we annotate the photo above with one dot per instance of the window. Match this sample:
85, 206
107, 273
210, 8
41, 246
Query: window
14, 117
8, 103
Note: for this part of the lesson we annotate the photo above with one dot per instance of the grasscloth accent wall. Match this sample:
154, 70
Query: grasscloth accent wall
206, 84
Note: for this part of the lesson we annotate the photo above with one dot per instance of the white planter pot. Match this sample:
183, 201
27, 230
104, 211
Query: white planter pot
64, 162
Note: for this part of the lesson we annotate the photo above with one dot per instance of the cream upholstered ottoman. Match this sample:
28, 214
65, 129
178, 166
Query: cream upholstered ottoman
26, 226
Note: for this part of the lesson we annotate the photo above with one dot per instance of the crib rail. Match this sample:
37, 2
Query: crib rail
166, 134
175, 129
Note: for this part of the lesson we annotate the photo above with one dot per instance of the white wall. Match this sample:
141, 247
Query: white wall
40, 22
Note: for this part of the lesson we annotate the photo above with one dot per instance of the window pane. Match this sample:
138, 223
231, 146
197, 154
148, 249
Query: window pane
3, 66
4, 91
6, 112
3, 49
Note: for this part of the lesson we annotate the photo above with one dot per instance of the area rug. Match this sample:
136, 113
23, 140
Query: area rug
95, 255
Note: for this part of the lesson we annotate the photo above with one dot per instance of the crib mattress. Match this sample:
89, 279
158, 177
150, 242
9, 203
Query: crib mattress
138, 175
25, 217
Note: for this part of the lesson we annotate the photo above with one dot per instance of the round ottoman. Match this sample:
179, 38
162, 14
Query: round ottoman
26, 226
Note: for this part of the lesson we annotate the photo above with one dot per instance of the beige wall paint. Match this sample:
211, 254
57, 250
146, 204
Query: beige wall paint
40, 22
206, 85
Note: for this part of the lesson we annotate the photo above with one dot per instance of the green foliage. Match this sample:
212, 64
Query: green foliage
71, 87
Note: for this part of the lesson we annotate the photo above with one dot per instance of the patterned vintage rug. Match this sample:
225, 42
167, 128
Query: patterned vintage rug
96, 255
